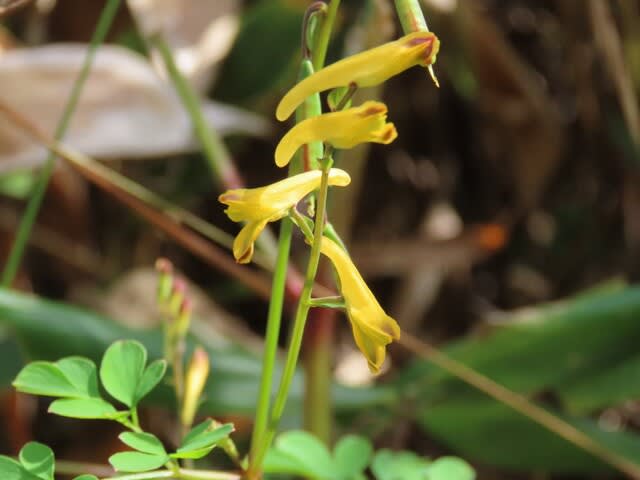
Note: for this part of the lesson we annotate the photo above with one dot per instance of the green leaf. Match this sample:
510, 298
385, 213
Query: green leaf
12, 470
300, 453
44, 378
150, 378
38, 459
122, 369
352, 454
135, 462
10, 358
72, 377
49, 330
608, 387
450, 468
88, 408
82, 374
388, 465
202, 439
465, 425
143, 442
86, 477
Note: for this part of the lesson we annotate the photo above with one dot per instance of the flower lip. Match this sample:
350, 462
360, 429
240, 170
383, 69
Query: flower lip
259, 206
343, 129
375, 108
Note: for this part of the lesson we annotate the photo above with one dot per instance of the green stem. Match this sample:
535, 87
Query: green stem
143, 476
271, 338
135, 420
411, 16
219, 160
225, 174
182, 473
299, 322
319, 53
40, 187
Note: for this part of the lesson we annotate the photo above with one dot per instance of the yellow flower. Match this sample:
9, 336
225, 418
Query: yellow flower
196, 379
259, 206
372, 328
344, 129
364, 69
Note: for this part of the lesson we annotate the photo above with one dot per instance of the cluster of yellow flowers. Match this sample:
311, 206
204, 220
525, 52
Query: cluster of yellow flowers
372, 328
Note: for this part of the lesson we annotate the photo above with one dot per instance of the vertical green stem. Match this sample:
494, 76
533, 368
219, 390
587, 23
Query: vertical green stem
40, 187
318, 352
319, 54
298, 325
271, 338
411, 16
225, 174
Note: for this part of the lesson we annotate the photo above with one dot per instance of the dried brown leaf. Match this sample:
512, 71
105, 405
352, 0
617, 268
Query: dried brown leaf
125, 111
199, 32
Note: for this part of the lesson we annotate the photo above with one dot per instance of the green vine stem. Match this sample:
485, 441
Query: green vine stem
271, 338
319, 54
304, 304
40, 187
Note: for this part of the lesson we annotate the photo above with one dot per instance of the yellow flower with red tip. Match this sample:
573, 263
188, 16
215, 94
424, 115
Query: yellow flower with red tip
365, 69
343, 129
259, 206
372, 328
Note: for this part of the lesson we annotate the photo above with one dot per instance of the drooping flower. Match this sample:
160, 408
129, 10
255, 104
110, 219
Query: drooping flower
365, 69
343, 129
372, 328
259, 206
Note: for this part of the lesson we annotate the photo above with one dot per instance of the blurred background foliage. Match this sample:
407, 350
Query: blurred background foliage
503, 225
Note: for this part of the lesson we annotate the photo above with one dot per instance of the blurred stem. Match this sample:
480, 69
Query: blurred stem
181, 473
225, 174
319, 54
304, 304
40, 187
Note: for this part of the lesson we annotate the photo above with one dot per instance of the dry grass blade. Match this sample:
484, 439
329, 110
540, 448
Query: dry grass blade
521, 405
7, 7
102, 176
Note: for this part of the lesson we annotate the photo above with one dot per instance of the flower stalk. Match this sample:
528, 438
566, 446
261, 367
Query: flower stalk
304, 304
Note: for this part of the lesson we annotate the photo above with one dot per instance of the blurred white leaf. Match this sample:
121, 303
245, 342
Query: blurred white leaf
125, 111
199, 32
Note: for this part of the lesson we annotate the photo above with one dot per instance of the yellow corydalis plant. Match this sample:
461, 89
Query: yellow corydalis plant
259, 206
343, 129
365, 69
372, 328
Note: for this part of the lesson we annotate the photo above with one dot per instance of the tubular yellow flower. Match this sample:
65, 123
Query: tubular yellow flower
364, 69
372, 328
344, 129
259, 206
197, 375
